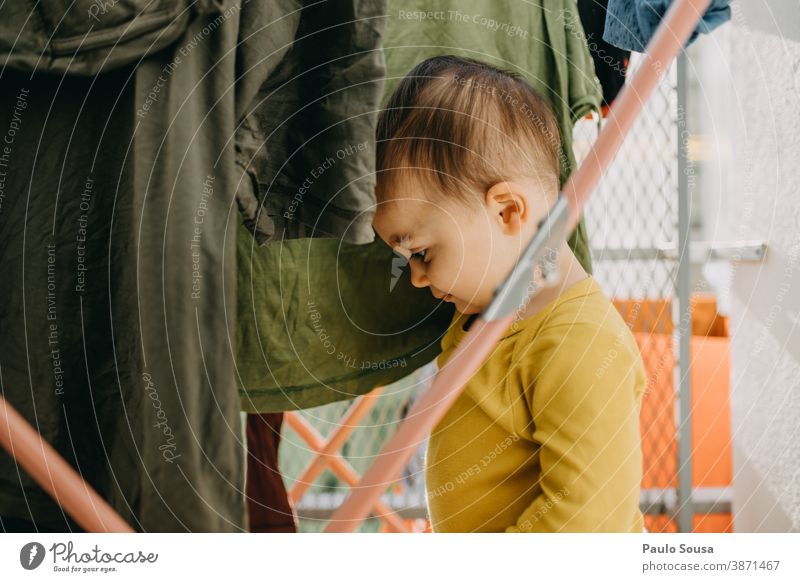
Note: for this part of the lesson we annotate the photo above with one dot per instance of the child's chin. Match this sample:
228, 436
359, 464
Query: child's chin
468, 309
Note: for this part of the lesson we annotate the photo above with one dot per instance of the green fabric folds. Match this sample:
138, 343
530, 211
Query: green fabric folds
323, 320
283, 361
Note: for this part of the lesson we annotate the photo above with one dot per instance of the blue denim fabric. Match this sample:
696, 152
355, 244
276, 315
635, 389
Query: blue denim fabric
631, 23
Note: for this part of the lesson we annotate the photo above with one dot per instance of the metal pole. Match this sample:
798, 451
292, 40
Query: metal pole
685, 505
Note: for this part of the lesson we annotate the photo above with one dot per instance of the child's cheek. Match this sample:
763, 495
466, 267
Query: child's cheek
432, 272
438, 276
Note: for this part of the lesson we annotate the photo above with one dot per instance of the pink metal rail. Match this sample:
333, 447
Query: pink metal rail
327, 455
55, 475
92, 513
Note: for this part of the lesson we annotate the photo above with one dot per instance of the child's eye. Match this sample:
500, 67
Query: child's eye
420, 255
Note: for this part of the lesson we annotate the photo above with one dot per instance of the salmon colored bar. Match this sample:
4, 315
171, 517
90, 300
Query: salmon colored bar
55, 475
678, 23
346, 425
342, 469
426, 411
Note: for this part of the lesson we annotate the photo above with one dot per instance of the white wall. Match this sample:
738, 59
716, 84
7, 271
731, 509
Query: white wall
750, 78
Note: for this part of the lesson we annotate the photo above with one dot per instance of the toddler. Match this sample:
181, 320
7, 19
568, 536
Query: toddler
545, 436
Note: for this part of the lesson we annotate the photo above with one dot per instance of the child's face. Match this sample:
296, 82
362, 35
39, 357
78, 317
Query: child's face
460, 253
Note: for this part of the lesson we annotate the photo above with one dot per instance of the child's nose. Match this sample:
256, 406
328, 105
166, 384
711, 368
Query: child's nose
418, 276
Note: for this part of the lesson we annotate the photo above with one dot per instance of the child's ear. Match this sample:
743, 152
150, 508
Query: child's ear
507, 205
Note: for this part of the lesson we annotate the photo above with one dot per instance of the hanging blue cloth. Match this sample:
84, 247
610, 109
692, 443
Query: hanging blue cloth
631, 23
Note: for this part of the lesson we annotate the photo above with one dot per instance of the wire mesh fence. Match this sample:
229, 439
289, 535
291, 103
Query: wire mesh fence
406, 496
632, 222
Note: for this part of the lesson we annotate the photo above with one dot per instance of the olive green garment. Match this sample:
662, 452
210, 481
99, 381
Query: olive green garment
307, 140
334, 320
87, 37
327, 327
128, 157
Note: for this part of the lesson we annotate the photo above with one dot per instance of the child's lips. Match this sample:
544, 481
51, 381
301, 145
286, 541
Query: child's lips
442, 296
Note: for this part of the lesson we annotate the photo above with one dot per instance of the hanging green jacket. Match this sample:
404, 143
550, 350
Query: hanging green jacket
334, 320
128, 130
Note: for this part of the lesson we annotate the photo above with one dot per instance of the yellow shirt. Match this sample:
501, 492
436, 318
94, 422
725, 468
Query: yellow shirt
545, 437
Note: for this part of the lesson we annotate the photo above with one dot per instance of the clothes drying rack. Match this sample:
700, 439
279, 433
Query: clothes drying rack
92, 513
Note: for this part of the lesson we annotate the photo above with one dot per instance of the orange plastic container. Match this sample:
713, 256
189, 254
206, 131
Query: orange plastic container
651, 322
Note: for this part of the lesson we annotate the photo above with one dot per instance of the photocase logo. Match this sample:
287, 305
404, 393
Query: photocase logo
31, 555
398, 264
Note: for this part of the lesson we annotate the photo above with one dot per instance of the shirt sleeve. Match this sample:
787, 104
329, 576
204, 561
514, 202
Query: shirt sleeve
584, 399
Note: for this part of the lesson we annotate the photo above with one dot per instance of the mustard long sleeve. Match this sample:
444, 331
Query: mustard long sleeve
545, 437
585, 411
